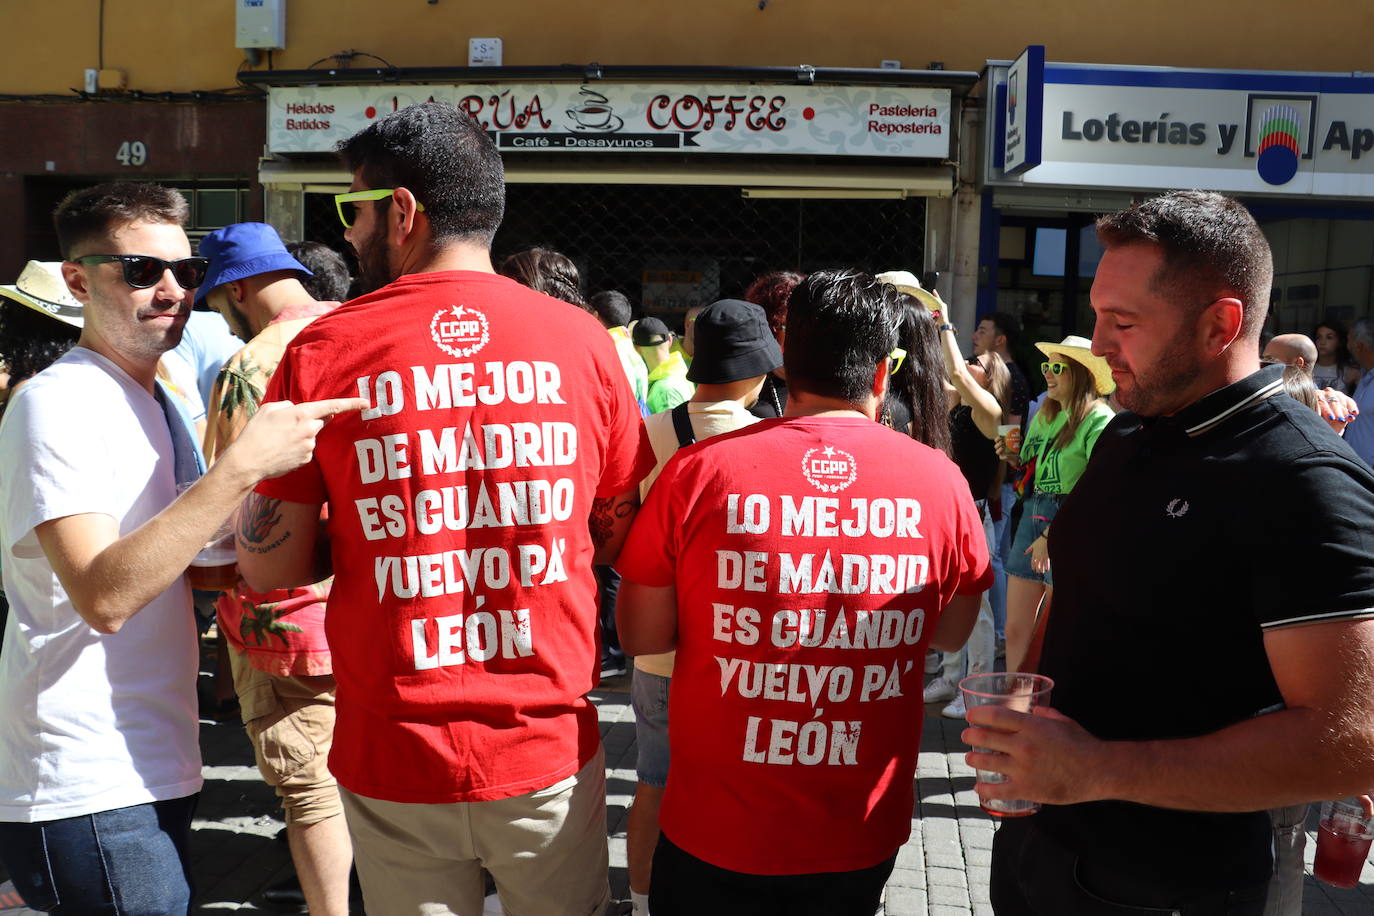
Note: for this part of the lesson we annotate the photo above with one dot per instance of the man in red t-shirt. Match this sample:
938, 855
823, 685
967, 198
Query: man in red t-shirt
801, 567
463, 620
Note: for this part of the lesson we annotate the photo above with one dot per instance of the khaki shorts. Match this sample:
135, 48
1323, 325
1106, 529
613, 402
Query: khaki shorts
290, 722
545, 849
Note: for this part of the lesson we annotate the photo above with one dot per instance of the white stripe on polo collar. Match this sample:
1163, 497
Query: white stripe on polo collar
1271, 389
1318, 618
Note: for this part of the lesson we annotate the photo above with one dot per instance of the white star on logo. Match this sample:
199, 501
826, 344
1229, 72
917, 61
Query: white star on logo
828, 451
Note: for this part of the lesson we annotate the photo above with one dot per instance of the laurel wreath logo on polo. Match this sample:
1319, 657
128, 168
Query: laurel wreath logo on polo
829, 469
460, 331
1177, 508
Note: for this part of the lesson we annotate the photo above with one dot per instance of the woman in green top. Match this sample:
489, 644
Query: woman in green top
1059, 442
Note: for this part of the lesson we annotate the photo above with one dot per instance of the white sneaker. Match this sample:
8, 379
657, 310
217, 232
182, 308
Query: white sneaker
939, 691
933, 662
955, 710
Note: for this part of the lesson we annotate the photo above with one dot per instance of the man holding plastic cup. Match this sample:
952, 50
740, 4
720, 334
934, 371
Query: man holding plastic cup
1155, 785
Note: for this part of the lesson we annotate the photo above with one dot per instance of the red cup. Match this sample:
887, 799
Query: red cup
1343, 838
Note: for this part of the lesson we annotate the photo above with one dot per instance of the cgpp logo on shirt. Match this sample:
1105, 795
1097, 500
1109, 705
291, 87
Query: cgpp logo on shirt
829, 469
460, 331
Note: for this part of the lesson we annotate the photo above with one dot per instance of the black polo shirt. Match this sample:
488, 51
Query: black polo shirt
1186, 539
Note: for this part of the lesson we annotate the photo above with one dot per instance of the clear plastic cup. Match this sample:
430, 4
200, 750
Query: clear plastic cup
1343, 837
216, 567
1013, 690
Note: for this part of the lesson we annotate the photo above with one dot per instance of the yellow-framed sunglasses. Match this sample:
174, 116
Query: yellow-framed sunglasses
898, 355
348, 213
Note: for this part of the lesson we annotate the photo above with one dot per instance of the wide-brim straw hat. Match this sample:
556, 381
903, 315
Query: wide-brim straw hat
40, 287
1079, 349
906, 281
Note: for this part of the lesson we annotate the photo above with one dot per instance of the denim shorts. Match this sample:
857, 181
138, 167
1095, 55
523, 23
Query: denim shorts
1038, 510
649, 696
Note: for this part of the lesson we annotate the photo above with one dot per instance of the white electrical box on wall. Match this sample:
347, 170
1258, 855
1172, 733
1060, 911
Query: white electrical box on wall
484, 52
260, 23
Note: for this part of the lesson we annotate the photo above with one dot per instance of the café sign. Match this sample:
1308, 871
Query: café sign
638, 118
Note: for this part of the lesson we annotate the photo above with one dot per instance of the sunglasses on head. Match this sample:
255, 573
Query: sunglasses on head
1056, 367
347, 203
142, 270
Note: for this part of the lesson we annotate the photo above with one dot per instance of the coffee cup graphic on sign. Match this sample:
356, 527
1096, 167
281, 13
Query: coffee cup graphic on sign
594, 112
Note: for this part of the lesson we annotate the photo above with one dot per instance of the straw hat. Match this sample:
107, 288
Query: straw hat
40, 286
906, 281
1079, 349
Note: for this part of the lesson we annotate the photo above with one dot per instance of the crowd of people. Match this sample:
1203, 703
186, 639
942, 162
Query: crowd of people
464, 492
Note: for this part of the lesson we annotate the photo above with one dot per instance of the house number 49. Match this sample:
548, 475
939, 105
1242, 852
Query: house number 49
132, 152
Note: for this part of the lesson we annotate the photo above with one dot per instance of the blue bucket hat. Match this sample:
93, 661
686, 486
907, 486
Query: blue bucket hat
244, 250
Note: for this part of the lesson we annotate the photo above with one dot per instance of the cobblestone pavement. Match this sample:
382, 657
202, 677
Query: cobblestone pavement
942, 871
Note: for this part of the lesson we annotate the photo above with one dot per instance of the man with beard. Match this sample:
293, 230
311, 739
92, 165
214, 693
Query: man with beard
99, 765
463, 621
275, 641
1155, 784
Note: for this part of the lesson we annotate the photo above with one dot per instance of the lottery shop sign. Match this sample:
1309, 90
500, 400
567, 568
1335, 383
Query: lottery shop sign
640, 118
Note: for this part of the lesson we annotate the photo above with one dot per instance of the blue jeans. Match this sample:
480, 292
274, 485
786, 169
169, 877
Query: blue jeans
130, 861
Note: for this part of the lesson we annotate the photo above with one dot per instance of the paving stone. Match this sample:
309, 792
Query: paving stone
954, 862
905, 901
907, 877
945, 877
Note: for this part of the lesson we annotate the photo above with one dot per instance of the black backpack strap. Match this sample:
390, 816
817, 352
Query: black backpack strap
682, 425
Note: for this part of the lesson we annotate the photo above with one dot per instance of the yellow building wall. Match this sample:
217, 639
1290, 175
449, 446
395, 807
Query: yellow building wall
182, 45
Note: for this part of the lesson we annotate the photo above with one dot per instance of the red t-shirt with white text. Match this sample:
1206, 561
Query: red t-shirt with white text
811, 557
463, 617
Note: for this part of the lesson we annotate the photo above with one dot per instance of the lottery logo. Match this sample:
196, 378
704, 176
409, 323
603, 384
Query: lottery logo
1280, 128
829, 469
460, 331
1278, 134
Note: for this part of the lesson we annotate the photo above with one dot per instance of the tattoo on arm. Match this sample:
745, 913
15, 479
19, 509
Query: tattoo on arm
600, 521
258, 520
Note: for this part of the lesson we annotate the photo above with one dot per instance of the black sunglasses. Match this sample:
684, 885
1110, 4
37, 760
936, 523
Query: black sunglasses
142, 270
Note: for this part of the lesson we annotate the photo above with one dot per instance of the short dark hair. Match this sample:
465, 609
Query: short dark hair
1212, 247
1007, 324
840, 325
91, 214
550, 272
444, 158
331, 280
613, 308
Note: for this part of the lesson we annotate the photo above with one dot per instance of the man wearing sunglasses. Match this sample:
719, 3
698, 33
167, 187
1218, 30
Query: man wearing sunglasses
276, 642
99, 762
497, 463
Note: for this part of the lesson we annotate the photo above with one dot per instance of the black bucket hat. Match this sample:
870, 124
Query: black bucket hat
732, 343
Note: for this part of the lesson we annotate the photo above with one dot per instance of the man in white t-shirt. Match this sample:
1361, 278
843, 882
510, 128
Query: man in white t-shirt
99, 763
734, 352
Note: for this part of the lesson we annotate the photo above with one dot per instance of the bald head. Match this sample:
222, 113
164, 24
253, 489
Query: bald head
1293, 350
